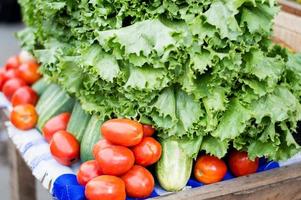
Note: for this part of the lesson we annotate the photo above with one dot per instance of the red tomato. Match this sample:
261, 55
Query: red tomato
2, 77
148, 130
241, 165
64, 148
123, 132
11, 86
139, 182
12, 63
24, 117
57, 123
115, 160
24, 95
101, 144
105, 188
10, 74
87, 171
209, 169
147, 152
30, 72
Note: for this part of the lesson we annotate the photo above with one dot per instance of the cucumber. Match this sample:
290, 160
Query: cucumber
40, 86
46, 94
91, 137
173, 170
78, 122
53, 102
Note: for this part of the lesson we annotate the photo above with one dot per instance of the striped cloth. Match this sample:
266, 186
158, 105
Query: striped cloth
61, 181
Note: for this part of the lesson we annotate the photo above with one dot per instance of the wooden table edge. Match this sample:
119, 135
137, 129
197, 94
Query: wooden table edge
290, 7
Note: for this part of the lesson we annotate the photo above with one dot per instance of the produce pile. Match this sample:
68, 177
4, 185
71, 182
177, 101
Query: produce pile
203, 73
200, 71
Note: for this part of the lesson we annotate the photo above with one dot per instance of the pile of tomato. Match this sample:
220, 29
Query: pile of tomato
16, 77
121, 158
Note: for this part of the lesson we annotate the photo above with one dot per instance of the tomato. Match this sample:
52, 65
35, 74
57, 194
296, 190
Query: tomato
24, 95
11, 73
12, 63
105, 188
209, 169
115, 160
30, 72
2, 77
11, 86
148, 130
240, 164
123, 132
24, 117
147, 152
64, 148
57, 123
139, 182
101, 144
87, 171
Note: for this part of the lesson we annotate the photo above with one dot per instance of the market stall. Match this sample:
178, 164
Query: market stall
206, 88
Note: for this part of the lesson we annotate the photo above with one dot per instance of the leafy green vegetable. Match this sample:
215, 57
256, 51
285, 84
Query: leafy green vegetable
204, 72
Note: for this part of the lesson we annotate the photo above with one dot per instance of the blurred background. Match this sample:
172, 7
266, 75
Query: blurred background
10, 23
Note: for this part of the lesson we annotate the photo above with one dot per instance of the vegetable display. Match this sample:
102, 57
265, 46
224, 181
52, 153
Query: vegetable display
160, 83
191, 68
119, 155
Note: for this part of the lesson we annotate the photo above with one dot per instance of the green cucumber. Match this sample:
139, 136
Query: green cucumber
46, 94
40, 86
173, 170
91, 137
78, 122
53, 102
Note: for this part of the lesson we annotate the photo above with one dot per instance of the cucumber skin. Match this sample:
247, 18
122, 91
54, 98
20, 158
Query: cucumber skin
174, 168
46, 94
91, 136
40, 86
53, 102
78, 122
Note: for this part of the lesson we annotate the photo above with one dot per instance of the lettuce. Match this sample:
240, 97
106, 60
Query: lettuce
204, 71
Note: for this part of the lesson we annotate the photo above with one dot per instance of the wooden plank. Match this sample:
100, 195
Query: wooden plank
287, 28
276, 184
289, 21
290, 7
22, 181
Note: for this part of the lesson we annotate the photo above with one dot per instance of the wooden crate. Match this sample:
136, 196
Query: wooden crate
287, 26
